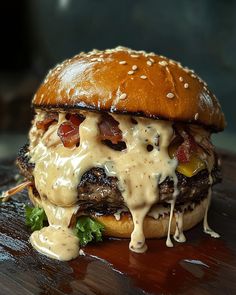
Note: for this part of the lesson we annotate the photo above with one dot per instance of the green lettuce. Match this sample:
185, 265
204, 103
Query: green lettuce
88, 229
35, 217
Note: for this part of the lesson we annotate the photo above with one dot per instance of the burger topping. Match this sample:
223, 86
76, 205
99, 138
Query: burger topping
47, 121
109, 129
69, 131
57, 240
186, 148
58, 170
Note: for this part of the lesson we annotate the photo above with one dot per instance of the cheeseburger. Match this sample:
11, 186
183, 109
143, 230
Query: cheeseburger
121, 137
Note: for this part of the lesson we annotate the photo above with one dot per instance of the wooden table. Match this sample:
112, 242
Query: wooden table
202, 265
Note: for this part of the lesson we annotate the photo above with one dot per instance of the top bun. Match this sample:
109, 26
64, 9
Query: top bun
126, 81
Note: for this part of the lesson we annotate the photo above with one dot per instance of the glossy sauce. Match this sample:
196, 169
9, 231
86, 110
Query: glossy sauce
58, 170
56, 240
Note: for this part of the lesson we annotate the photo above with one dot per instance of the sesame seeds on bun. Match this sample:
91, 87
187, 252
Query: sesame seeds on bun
126, 81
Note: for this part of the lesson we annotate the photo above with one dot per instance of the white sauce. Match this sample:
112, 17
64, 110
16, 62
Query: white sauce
58, 171
117, 214
179, 232
206, 226
57, 240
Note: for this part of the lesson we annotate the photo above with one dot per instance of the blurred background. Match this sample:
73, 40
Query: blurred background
37, 34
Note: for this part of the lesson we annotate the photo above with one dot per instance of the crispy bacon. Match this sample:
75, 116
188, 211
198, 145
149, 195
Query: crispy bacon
69, 131
109, 129
47, 121
75, 119
187, 147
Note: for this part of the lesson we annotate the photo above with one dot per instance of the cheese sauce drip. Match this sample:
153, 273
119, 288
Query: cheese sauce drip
56, 240
206, 226
58, 170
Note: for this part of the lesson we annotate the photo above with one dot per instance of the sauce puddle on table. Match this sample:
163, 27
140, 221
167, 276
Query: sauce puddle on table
161, 269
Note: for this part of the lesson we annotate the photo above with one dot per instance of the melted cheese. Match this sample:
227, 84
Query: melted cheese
179, 232
191, 168
206, 226
58, 171
57, 240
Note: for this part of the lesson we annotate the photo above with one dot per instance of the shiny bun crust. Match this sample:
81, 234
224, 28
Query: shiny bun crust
153, 228
125, 81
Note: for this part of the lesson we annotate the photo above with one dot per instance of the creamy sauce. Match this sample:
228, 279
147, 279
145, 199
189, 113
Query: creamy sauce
57, 240
172, 207
206, 226
58, 171
117, 214
179, 232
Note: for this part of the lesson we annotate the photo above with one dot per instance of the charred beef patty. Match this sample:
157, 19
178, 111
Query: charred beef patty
99, 192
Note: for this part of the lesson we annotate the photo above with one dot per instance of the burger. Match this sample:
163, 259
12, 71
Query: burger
119, 146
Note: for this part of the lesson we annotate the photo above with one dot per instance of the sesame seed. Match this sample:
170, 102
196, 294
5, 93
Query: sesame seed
99, 59
170, 95
94, 59
134, 67
123, 96
185, 85
196, 116
149, 63
181, 79
143, 77
163, 63
130, 72
152, 60
134, 55
193, 76
122, 62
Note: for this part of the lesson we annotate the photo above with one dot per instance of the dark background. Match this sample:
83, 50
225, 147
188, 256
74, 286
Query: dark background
37, 34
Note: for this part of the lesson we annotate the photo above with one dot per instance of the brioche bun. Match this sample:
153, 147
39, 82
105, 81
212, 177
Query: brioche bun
125, 81
153, 228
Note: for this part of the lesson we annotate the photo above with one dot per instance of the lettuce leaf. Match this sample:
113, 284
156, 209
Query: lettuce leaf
35, 217
88, 229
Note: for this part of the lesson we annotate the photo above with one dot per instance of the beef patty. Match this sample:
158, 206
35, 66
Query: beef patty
99, 192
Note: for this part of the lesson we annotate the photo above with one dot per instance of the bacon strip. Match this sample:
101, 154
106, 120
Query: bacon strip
109, 129
185, 150
47, 121
14, 190
69, 131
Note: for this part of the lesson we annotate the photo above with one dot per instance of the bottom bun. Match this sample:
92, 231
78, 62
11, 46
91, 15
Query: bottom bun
153, 228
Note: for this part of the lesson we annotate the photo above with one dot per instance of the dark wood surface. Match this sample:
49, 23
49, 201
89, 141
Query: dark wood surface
202, 265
